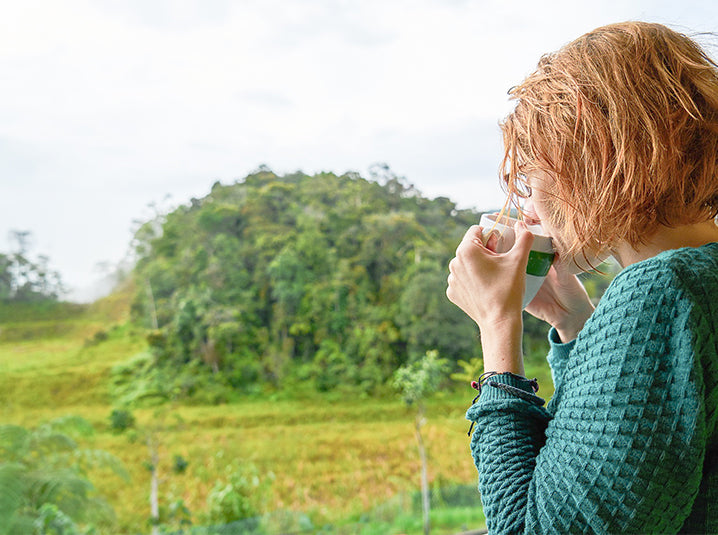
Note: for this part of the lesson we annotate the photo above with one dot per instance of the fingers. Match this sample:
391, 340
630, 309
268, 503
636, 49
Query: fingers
470, 243
474, 232
453, 287
472, 236
450, 288
524, 241
493, 242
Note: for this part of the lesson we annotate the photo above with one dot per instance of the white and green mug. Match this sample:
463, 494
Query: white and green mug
540, 258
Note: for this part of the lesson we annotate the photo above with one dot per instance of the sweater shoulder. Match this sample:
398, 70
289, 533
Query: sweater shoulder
661, 298
689, 274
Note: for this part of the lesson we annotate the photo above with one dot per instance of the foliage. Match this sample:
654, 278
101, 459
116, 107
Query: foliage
43, 474
52, 521
242, 495
348, 451
97, 338
23, 278
174, 516
420, 379
598, 280
277, 279
37, 311
180, 464
121, 420
470, 370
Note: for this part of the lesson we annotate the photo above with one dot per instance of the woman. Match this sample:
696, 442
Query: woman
614, 146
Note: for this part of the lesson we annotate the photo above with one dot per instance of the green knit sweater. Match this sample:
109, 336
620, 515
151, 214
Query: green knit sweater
629, 442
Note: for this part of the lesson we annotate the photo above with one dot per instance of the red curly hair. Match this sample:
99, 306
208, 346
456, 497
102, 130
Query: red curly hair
624, 121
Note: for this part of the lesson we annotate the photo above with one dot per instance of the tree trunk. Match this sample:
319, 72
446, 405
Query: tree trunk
153, 311
425, 505
154, 487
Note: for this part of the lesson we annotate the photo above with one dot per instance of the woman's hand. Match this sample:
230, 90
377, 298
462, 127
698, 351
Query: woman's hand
489, 288
562, 301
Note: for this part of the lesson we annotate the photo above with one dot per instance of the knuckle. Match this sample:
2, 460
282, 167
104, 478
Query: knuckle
461, 249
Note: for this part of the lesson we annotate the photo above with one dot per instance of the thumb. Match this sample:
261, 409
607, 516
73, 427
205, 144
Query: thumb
523, 242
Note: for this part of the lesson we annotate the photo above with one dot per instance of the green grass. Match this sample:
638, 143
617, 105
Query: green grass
333, 457
442, 521
39, 311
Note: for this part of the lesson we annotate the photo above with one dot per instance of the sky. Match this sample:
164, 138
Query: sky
111, 111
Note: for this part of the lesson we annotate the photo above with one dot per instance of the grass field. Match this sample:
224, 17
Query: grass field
333, 457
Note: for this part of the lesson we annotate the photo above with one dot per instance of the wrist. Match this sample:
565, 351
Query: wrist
569, 328
501, 344
567, 335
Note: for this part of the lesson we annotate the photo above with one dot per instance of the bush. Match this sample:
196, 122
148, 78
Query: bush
242, 495
180, 464
99, 337
121, 420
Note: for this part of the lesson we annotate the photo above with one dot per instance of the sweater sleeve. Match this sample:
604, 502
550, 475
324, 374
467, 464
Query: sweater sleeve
621, 448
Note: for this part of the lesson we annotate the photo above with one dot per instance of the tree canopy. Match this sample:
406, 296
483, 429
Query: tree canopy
23, 278
327, 279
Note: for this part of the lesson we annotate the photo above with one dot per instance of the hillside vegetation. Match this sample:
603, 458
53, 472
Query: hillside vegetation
320, 280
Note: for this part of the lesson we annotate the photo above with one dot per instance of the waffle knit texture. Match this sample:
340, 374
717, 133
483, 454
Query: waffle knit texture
628, 443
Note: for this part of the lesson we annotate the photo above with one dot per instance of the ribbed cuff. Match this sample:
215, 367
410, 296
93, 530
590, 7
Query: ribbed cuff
559, 349
558, 354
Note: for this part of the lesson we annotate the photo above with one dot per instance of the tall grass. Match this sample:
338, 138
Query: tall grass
333, 457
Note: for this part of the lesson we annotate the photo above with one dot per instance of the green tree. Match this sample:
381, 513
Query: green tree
416, 382
151, 434
428, 320
23, 278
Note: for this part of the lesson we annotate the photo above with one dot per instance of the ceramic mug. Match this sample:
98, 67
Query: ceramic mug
540, 258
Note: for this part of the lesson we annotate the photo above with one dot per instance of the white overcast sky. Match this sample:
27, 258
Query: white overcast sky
107, 106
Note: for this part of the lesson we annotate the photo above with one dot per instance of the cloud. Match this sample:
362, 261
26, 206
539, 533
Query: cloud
173, 15
21, 163
264, 98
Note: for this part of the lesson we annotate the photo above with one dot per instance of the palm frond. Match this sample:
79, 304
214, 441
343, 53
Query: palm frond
64, 488
46, 442
70, 425
93, 459
12, 487
13, 442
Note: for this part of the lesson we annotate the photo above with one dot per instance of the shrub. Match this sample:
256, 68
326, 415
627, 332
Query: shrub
180, 464
242, 495
121, 420
99, 337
